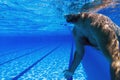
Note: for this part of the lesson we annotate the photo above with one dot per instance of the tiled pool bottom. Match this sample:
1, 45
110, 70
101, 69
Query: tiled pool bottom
44, 62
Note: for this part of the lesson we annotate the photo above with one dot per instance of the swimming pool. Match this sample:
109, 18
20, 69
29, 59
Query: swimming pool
36, 42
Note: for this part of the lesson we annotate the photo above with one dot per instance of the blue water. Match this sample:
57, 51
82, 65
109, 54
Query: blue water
36, 41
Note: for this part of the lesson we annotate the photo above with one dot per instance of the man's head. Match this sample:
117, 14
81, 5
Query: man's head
72, 18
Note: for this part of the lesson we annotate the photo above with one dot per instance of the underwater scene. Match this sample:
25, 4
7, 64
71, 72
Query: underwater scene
37, 41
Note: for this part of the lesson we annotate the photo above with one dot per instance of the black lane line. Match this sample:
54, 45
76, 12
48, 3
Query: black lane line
27, 69
9, 52
20, 56
14, 51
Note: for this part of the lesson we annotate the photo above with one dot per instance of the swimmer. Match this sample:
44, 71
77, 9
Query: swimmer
98, 31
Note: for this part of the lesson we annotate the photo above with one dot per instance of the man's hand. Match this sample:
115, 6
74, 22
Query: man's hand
67, 74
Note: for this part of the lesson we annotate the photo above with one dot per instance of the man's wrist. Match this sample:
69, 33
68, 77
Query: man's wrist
71, 72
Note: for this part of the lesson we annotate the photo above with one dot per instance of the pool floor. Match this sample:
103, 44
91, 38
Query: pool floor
41, 62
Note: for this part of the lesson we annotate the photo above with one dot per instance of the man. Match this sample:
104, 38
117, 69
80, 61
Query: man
98, 31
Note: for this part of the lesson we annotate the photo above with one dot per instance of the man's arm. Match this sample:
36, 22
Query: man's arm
78, 55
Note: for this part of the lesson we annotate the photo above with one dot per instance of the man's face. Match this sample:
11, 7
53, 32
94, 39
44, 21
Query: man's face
72, 18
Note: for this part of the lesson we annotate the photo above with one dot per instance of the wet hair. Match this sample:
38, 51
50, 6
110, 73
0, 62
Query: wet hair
72, 18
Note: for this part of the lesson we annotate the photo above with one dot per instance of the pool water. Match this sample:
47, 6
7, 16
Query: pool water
36, 41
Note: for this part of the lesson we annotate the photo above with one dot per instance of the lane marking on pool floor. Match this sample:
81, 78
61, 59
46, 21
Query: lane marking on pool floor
35, 63
13, 51
21, 56
9, 52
